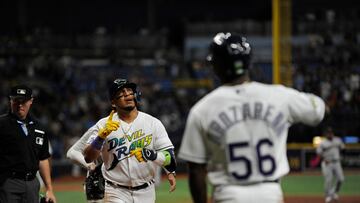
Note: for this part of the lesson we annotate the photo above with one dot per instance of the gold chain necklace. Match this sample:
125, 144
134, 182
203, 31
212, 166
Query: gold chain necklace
124, 131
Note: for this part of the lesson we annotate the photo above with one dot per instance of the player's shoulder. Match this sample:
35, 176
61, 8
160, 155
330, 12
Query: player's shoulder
38, 125
338, 139
281, 91
323, 142
142, 114
279, 88
251, 88
147, 117
326, 142
254, 88
89, 132
205, 102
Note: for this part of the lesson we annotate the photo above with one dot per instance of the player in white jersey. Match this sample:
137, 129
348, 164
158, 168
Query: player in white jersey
94, 183
329, 150
131, 143
237, 133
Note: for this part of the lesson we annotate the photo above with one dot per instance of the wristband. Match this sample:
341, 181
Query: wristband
167, 160
97, 143
163, 158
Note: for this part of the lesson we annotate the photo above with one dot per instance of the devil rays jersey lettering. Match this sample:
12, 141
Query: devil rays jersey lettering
122, 149
145, 131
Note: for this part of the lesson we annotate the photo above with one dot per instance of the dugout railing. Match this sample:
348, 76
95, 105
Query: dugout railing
303, 157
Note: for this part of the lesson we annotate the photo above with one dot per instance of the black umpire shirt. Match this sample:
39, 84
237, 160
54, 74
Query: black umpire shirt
21, 153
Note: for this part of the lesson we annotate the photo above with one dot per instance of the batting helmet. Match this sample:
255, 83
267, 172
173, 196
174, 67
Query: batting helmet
229, 55
120, 83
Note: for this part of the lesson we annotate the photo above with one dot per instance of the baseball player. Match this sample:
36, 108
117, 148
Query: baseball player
131, 143
329, 150
236, 135
94, 184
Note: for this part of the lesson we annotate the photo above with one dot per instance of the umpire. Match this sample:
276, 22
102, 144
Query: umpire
24, 150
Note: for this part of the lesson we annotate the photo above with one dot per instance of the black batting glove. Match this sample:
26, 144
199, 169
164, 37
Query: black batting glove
144, 154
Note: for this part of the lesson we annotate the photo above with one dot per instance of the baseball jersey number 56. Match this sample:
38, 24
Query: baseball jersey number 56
265, 161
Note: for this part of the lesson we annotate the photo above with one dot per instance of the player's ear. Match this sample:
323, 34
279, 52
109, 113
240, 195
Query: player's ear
32, 100
113, 105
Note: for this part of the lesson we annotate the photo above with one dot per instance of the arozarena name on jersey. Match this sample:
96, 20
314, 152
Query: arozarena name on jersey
247, 111
138, 139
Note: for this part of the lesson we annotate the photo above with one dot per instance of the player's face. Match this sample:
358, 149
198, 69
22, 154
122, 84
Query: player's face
329, 134
20, 107
125, 99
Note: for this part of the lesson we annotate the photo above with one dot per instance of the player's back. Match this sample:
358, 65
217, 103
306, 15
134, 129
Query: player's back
246, 129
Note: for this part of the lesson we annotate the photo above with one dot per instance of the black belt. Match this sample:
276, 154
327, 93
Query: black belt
143, 186
26, 176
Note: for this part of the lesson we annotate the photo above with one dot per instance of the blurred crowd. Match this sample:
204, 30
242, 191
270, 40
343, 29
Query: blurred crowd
70, 75
329, 66
70, 80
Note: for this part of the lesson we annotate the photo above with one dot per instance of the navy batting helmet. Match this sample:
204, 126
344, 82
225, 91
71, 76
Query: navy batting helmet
229, 55
120, 83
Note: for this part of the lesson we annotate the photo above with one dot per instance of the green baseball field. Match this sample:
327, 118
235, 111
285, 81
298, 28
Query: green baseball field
298, 188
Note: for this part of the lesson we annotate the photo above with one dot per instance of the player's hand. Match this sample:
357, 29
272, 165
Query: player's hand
50, 197
109, 126
91, 166
144, 154
172, 181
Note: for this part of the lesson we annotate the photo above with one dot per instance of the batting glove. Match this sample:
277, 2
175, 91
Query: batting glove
143, 154
109, 126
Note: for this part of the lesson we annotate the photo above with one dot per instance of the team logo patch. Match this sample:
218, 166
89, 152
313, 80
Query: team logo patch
39, 140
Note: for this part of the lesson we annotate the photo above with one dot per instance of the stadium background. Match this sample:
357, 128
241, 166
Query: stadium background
69, 51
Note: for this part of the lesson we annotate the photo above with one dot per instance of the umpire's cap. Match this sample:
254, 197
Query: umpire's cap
118, 84
22, 92
229, 54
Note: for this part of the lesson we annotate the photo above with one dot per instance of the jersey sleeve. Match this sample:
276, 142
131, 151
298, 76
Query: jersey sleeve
305, 108
45, 153
75, 153
161, 138
93, 131
192, 147
319, 149
45, 150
